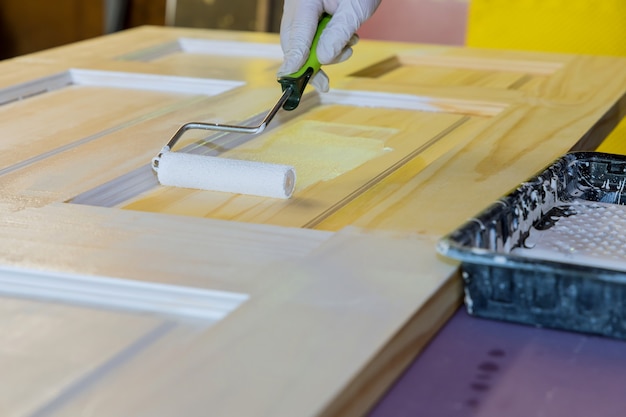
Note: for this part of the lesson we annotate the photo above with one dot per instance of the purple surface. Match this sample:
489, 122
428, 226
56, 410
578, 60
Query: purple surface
478, 367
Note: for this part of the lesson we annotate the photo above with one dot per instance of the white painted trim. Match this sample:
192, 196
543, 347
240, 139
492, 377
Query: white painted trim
113, 79
375, 99
207, 47
116, 293
359, 98
152, 82
231, 48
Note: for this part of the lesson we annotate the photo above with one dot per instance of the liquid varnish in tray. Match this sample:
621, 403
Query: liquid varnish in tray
553, 251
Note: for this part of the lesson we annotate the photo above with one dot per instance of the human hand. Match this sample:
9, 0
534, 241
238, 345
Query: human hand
298, 26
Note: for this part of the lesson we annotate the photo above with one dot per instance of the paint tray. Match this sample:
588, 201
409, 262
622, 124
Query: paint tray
552, 252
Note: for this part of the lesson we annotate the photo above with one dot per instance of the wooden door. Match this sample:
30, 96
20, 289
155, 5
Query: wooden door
196, 303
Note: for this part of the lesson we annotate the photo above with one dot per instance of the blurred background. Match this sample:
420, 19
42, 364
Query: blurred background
32, 25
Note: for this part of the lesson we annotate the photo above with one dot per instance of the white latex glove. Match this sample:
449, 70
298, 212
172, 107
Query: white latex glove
298, 26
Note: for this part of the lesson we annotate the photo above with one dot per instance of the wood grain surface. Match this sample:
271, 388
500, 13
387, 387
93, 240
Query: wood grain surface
341, 285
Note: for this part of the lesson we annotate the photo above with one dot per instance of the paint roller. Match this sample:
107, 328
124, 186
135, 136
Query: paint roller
204, 172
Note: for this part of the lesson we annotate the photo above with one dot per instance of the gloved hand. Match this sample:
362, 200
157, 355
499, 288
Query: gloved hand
298, 26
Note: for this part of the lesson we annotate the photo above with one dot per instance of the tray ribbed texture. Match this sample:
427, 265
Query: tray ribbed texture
550, 253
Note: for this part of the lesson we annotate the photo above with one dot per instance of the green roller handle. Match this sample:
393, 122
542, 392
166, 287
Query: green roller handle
299, 79
312, 61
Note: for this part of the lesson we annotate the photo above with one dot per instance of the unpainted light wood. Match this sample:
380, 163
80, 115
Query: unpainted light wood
49, 349
293, 350
315, 199
211, 254
22, 121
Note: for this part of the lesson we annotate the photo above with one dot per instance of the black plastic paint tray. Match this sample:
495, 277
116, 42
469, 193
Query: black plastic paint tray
553, 251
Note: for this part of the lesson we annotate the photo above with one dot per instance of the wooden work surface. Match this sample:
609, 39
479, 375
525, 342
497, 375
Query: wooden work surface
122, 297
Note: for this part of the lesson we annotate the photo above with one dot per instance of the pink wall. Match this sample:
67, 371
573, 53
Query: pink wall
424, 21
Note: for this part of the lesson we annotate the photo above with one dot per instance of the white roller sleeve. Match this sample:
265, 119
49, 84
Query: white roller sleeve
229, 175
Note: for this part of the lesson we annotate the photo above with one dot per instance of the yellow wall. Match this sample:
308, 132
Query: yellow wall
572, 26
